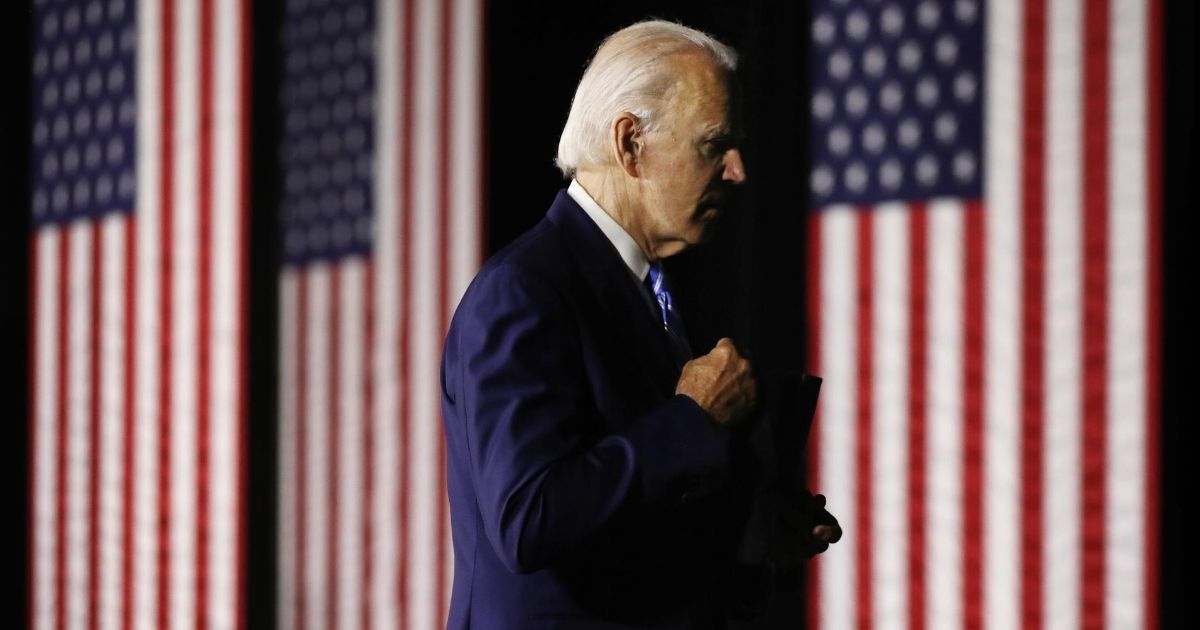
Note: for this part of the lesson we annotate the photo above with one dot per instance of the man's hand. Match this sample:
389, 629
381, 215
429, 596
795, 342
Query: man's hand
807, 529
721, 382
825, 531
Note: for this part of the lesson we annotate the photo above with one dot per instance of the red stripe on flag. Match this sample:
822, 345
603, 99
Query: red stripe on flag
165, 312
973, 491
863, 437
1094, 160
447, 66
60, 526
301, 341
93, 482
333, 443
1154, 178
404, 208
918, 362
131, 327
813, 464
1033, 310
204, 304
368, 442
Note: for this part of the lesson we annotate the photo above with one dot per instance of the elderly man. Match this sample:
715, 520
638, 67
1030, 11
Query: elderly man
588, 452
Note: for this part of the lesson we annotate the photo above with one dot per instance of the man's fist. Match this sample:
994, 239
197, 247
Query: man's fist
806, 528
721, 382
826, 529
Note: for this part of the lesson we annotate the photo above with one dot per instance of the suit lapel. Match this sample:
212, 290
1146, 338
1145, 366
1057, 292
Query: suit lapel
616, 290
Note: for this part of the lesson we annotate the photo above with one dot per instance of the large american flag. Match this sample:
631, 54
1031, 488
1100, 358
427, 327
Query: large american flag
381, 159
138, 271
984, 290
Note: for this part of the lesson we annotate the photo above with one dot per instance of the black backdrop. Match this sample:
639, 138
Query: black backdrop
752, 271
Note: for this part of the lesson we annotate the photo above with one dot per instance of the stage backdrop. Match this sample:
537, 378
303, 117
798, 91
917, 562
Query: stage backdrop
138, 266
381, 232
984, 290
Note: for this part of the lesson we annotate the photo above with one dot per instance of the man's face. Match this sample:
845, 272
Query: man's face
690, 163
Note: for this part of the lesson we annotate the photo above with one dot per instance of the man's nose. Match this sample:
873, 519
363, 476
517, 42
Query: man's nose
735, 170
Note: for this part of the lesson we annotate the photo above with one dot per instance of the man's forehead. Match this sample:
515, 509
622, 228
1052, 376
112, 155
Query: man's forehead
698, 72
701, 88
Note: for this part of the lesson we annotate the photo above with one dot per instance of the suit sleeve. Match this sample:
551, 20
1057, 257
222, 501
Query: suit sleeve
515, 370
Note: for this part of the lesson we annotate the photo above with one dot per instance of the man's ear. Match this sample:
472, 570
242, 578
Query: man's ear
627, 143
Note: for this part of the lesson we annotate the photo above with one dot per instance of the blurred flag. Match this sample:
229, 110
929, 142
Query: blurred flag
139, 154
984, 291
382, 222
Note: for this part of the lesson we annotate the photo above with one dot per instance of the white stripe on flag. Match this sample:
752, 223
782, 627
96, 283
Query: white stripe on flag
466, 189
889, 413
316, 431
425, 312
1001, 347
350, 401
1125, 503
112, 420
45, 432
944, 392
147, 327
224, 466
839, 317
79, 312
288, 417
184, 288
1063, 380
388, 536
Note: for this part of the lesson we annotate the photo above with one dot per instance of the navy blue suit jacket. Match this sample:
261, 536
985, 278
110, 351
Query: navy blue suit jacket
583, 492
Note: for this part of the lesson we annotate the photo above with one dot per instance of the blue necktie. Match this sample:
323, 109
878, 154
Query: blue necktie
656, 281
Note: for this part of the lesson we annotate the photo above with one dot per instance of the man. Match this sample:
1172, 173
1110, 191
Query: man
588, 452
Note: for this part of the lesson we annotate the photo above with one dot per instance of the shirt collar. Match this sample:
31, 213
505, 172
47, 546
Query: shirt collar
630, 252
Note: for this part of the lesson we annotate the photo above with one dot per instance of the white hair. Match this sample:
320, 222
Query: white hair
629, 73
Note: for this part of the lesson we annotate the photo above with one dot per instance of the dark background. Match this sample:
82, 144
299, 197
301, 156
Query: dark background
535, 56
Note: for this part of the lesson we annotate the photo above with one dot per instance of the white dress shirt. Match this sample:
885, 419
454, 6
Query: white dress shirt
628, 248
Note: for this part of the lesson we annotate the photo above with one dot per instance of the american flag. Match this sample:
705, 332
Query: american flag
138, 271
382, 226
984, 307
